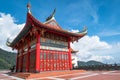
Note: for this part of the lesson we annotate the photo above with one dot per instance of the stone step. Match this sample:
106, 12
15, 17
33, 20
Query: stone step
22, 75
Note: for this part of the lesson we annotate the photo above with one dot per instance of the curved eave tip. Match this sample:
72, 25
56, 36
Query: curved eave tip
51, 16
8, 43
84, 31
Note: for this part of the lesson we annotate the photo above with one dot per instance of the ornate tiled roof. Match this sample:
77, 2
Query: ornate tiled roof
50, 25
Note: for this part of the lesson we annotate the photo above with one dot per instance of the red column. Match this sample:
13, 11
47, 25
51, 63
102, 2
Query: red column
69, 55
61, 67
46, 61
28, 57
17, 61
66, 60
53, 62
20, 62
63, 61
37, 68
21, 66
43, 62
49, 60
59, 60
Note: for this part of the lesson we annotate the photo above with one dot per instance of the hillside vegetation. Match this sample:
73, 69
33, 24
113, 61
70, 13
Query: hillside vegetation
7, 59
92, 62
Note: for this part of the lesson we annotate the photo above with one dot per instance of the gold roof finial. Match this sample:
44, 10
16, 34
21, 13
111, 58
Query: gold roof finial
29, 7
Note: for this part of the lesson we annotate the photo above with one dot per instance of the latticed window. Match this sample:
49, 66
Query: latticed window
41, 56
53, 60
44, 55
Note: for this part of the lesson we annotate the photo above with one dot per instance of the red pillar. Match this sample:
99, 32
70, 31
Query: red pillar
69, 54
37, 68
28, 57
63, 61
43, 62
21, 66
67, 61
17, 60
53, 61
47, 60
59, 60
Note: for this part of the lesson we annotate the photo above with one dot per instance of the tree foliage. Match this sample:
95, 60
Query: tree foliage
7, 59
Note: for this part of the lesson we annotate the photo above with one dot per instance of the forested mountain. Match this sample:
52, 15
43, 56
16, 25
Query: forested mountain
7, 59
92, 62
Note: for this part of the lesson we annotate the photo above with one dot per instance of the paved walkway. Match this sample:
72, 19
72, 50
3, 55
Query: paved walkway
4, 76
88, 75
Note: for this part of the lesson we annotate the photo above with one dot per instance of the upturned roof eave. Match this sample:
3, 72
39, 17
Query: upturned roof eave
20, 35
16, 39
82, 33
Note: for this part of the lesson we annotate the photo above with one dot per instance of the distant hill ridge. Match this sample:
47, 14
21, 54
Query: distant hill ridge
92, 62
7, 59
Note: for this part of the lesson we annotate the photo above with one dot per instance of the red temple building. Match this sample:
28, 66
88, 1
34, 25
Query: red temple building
43, 46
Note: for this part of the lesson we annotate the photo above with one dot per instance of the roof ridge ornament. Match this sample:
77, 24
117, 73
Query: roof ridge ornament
29, 7
51, 16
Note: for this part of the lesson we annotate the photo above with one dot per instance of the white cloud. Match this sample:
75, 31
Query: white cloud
91, 43
8, 28
92, 48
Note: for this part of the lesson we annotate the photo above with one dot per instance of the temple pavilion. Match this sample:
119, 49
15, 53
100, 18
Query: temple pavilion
43, 46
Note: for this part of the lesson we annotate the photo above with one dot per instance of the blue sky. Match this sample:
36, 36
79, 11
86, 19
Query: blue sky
100, 16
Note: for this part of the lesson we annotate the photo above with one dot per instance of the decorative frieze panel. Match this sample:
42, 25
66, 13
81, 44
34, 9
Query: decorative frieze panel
50, 44
53, 48
55, 37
